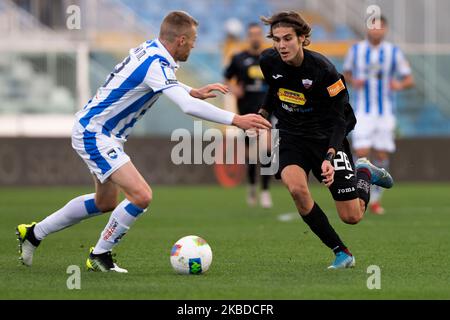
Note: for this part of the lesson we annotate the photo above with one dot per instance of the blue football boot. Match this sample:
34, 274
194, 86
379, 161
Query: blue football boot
342, 261
379, 176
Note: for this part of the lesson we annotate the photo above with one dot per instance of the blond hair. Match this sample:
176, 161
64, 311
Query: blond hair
176, 24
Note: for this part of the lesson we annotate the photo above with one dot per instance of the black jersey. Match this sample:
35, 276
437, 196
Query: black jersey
245, 68
310, 101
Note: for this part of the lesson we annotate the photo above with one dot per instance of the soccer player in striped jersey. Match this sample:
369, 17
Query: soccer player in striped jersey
103, 125
376, 68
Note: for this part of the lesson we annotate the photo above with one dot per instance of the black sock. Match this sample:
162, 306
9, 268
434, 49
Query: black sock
363, 176
319, 224
251, 173
32, 238
266, 178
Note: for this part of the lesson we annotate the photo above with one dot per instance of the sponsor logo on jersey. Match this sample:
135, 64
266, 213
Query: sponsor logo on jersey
290, 96
335, 88
307, 83
169, 73
248, 61
277, 76
294, 108
255, 72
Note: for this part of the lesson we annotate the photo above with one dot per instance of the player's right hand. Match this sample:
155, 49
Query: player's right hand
327, 173
237, 90
358, 83
251, 121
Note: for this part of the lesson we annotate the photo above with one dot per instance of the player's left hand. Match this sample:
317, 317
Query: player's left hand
327, 173
396, 85
207, 91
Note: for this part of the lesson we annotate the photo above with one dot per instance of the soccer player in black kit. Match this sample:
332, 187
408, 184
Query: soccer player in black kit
310, 99
250, 90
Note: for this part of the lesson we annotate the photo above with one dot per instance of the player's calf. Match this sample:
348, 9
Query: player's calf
302, 198
106, 204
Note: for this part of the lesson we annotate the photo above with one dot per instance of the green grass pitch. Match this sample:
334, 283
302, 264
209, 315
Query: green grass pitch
256, 255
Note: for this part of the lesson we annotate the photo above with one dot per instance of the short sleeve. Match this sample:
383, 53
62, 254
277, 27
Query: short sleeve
402, 65
160, 75
232, 69
349, 59
264, 64
333, 83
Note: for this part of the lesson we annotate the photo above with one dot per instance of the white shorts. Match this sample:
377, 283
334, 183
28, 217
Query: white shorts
374, 132
102, 154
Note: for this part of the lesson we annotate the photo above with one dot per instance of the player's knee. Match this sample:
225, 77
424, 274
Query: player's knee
143, 198
351, 219
298, 192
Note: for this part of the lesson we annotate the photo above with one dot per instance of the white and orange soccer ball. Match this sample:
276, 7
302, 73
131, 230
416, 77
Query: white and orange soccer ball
191, 255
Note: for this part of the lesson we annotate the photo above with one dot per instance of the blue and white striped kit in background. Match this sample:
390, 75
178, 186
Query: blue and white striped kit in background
373, 103
103, 125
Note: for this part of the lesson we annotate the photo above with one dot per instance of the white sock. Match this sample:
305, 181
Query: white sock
123, 216
73, 212
376, 192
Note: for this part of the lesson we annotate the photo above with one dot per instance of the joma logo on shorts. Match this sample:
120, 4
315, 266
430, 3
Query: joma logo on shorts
346, 190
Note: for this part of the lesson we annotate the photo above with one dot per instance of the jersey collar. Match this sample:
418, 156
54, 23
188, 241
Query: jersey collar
381, 44
166, 54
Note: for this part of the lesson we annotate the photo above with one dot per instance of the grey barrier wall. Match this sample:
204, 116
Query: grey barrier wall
52, 161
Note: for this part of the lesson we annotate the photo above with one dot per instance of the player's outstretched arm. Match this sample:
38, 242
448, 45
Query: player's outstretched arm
207, 111
251, 121
206, 91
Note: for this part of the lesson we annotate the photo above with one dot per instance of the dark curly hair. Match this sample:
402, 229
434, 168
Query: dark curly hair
289, 19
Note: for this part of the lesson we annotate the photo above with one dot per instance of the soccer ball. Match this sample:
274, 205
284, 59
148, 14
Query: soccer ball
191, 255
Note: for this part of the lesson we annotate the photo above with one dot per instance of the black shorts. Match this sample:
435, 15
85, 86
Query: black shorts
309, 155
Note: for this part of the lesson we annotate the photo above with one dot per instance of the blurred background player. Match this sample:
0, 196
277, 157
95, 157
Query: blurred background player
375, 68
246, 82
103, 126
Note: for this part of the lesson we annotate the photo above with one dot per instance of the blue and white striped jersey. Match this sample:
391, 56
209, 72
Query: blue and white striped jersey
377, 66
130, 90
